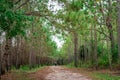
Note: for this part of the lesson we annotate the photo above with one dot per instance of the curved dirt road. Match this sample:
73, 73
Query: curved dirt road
59, 73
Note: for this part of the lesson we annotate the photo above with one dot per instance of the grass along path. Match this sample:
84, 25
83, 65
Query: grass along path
59, 73
21, 74
97, 75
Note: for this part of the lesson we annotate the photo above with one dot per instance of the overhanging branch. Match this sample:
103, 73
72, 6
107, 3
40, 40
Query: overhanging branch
35, 13
22, 4
17, 1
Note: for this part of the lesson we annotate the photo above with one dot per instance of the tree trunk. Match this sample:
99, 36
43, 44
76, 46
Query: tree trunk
18, 53
31, 49
92, 46
75, 49
110, 29
30, 58
118, 1
0, 60
112, 41
95, 48
6, 56
109, 53
85, 51
69, 51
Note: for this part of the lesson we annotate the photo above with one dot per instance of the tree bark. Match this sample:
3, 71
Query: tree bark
18, 53
110, 29
109, 54
31, 49
6, 56
0, 60
85, 50
95, 47
30, 58
111, 40
118, 5
75, 48
92, 46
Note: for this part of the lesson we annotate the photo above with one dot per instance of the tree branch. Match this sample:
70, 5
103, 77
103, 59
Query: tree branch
35, 13
17, 1
103, 33
22, 4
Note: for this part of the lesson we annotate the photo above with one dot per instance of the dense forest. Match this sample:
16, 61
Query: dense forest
87, 31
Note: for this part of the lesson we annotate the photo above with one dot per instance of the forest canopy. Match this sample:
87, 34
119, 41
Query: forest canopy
48, 32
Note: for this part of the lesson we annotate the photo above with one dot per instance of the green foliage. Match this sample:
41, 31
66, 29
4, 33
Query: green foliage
23, 72
115, 54
103, 76
100, 49
76, 5
70, 65
77, 16
103, 61
13, 23
26, 68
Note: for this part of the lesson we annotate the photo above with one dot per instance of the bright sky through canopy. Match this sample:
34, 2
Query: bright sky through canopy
54, 6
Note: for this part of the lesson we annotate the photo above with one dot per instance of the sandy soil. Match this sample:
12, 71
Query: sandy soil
60, 73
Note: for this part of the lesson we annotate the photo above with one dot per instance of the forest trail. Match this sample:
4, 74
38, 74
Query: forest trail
58, 73
61, 73
47, 73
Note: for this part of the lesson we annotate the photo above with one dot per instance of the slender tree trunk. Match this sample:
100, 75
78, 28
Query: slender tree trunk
112, 42
75, 49
84, 53
0, 60
92, 46
109, 53
31, 48
85, 50
69, 51
18, 53
6, 59
8, 53
118, 5
110, 29
30, 57
95, 47
40, 51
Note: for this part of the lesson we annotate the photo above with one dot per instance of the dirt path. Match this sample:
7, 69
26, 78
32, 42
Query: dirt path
47, 73
60, 73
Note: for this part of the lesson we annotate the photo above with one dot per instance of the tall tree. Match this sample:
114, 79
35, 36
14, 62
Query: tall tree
12, 24
118, 24
110, 29
75, 49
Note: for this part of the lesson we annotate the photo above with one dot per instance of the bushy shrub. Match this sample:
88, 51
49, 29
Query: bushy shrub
103, 61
